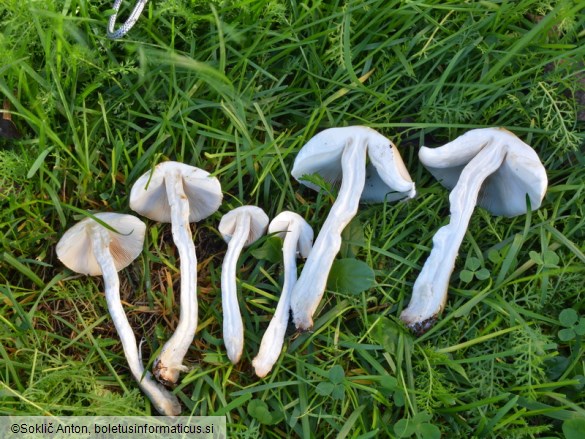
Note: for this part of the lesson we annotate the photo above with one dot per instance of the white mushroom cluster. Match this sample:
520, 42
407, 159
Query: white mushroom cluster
172, 192
488, 167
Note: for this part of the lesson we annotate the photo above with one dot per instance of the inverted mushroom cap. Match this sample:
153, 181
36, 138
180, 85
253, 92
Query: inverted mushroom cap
258, 223
386, 176
74, 248
148, 196
504, 192
282, 223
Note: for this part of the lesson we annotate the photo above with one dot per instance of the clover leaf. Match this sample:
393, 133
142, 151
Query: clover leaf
258, 409
573, 325
574, 428
334, 387
546, 259
390, 384
473, 269
496, 256
419, 424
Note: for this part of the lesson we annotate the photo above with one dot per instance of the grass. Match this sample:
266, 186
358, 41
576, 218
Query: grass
237, 87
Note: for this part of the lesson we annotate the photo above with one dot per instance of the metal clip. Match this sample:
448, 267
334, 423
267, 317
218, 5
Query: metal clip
131, 21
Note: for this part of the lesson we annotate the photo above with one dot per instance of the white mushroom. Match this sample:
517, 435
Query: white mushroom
298, 239
239, 227
490, 167
90, 248
178, 193
339, 154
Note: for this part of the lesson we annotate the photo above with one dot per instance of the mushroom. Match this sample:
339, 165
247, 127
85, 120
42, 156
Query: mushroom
178, 193
490, 167
90, 248
298, 240
240, 227
340, 154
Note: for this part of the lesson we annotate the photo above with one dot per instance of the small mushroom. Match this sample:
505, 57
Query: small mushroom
340, 154
90, 248
178, 193
240, 228
298, 240
490, 167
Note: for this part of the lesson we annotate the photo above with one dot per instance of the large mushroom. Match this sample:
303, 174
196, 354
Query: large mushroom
490, 167
239, 227
178, 193
298, 240
340, 154
90, 248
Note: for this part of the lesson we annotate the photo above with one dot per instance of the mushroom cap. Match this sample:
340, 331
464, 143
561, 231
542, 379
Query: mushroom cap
258, 223
75, 247
504, 192
386, 176
148, 196
287, 220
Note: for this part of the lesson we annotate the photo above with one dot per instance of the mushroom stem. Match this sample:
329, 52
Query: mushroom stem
233, 327
273, 338
169, 363
311, 284
430, 288
164, 401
